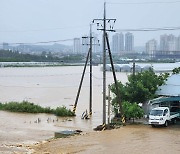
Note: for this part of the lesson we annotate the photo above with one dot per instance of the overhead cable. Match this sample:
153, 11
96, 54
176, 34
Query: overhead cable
149, 29
144, 3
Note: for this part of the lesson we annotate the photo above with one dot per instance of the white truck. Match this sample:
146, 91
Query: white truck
162, 116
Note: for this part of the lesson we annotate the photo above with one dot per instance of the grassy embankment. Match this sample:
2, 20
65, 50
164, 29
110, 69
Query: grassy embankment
27, 107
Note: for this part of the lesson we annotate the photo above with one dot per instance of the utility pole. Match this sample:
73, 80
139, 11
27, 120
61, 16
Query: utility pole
103, 28
116, 83
104, 67
134, 67
90, 65
90, 62
80, 85
109, 99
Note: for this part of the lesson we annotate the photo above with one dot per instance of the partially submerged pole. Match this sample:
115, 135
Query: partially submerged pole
80, 85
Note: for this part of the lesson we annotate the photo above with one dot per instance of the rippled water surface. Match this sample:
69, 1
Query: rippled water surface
48, 86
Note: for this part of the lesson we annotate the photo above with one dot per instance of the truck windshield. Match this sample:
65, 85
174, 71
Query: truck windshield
156, 112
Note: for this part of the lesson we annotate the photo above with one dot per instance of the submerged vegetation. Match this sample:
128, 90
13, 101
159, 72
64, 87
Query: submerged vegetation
27, 107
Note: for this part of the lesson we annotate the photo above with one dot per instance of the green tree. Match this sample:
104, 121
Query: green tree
132, 110
176, 70
139, 88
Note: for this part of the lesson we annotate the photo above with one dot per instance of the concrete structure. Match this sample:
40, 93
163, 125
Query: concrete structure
118, 43
5, 46
178, 43
169, 43
77, 45
129, 42
151, 47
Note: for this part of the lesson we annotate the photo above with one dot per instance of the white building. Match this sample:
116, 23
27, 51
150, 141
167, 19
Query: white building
5, 46
178, 43
77, 45
129, 42
151, 47
118, 42
168, 43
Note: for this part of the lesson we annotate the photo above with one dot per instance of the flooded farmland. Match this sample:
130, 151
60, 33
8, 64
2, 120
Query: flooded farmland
57, 86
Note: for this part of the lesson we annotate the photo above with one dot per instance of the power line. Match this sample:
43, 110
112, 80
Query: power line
42, 42
150, 29
144, 3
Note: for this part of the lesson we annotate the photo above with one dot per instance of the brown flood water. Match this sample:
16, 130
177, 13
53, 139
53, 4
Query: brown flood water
135, 139
50, 86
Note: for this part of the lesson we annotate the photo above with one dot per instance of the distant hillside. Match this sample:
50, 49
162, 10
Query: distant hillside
48, 48
11, 56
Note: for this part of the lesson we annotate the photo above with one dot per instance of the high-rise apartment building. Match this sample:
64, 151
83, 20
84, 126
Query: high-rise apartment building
171, 43
178, 43
168, 43
151, 47
5, 46
77, 45
129, 42
118, 42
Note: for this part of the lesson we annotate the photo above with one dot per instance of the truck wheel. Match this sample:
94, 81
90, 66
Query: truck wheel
153, 126
166, 124
174, 121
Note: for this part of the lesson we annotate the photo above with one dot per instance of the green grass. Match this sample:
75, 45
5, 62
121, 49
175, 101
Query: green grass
27, 107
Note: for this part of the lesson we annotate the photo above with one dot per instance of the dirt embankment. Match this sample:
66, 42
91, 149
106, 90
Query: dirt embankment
134, 139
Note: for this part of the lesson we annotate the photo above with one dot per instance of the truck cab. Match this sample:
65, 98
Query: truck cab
162, 116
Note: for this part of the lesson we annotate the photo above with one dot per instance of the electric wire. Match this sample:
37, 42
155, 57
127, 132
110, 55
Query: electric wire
144, 3
149, 29
41, 42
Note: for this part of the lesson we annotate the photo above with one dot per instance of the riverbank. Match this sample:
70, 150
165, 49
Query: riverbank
134, 139
38, 64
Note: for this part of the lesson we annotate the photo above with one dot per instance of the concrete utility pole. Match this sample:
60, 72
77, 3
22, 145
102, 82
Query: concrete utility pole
80, 85
116, 82
109, 105
90, 65
103, 28
134, 67
104, 67
90, 62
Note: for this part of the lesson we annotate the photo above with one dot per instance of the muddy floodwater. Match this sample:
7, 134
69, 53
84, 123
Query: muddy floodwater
53, 86
130, 139
48, 86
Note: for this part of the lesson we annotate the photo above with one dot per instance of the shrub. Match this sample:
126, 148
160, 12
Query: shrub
63, 111
28, 107
132, 110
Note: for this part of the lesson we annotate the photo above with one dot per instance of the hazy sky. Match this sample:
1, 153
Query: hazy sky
45, 20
